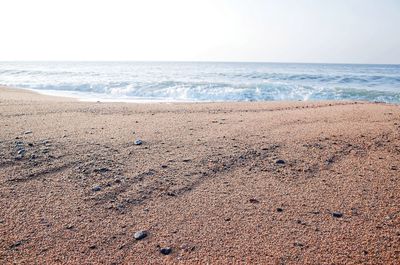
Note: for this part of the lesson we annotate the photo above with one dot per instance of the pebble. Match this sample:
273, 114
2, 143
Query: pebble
102, 169
166, 250
96, 188
280, 162
27, 132
138, 142
279, 209
21, 151
140, 235
16, 244
337, 214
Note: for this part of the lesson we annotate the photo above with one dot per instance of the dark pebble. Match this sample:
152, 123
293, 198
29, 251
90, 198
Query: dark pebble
337, 214
138, 142
140, 235
166, 251
279, 209
280, 162
16, 244
96, 188
254, 201
298, 244
102, 169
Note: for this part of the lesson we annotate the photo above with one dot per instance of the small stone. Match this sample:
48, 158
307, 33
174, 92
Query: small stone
138, 142
280, 162
140, 235
102, 169
166, 250
279, 210
21, 151
16, 244
96, 188
27, 132
69, 227
337, 214
254, 200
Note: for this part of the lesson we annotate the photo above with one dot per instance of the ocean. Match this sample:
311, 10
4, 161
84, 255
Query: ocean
205, 81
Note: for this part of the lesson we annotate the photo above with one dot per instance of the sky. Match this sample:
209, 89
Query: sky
315, 31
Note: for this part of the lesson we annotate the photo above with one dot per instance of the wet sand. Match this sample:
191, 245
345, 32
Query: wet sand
224, 183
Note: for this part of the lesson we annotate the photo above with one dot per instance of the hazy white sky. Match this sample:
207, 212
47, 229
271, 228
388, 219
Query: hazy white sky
352, 31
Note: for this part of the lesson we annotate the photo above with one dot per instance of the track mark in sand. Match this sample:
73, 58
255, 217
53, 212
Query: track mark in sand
117, 192
42, 173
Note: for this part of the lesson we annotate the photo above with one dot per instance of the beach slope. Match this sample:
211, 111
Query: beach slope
270, 183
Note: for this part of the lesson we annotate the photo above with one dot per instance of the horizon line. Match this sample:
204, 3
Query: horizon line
199, 61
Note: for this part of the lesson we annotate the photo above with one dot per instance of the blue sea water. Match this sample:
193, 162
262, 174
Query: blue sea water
205, 81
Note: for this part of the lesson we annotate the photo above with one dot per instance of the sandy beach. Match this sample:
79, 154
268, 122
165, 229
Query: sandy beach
223, 183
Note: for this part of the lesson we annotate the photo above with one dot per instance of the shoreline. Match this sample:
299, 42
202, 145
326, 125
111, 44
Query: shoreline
259, 182
63, 97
